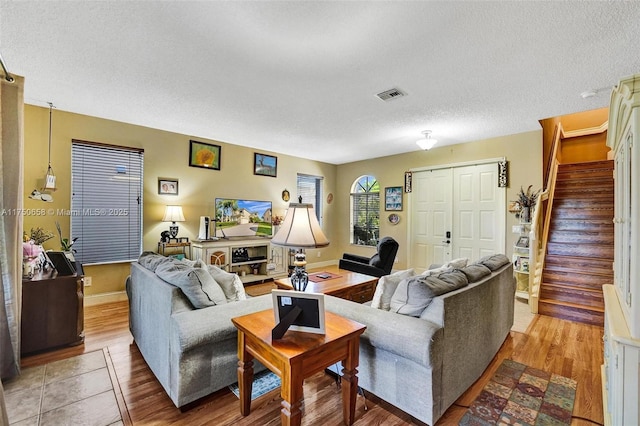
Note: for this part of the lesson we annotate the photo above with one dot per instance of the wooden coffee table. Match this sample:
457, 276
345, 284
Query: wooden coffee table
296, 356
348, 285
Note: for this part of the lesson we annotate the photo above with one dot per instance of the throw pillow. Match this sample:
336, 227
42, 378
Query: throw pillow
229, 282
494, 261
436, 271
387, 285
458, 263
475, 272
414, 294
150, 260
196, 283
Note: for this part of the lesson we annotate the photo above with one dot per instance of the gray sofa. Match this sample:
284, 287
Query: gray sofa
419, 364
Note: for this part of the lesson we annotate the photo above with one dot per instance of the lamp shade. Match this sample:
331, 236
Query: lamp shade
173, 214
300, 228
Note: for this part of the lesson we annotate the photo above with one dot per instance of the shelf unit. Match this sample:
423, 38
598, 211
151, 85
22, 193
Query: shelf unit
520, 259
254, 260
621, 368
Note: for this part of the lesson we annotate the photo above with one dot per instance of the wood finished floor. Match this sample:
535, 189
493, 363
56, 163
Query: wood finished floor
554, 345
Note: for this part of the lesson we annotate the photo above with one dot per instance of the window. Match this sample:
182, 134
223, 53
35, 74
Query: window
106, 202
310, 188
365, 209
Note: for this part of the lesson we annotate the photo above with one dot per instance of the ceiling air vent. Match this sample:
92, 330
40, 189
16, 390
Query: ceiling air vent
391, 94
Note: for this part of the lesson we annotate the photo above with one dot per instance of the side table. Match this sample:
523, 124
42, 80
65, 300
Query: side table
183, 246
296, 356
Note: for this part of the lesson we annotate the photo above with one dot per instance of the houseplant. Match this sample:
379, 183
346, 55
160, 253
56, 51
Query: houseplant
66, 244
527, 201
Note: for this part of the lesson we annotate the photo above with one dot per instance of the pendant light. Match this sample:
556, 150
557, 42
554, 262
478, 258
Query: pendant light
49, 178
427, 142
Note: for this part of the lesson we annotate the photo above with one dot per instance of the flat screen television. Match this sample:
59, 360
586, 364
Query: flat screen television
236, 217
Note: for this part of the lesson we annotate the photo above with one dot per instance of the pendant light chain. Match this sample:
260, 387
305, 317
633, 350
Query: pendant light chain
50, 116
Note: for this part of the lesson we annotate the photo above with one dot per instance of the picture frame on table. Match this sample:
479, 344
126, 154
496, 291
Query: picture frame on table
311, 319
393, 198
265, 165
204, 155
167, 186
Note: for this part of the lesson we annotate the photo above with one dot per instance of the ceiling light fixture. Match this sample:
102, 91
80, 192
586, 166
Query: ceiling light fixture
427, 143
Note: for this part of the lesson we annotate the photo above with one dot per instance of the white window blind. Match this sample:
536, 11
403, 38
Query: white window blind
310, 188
106, 203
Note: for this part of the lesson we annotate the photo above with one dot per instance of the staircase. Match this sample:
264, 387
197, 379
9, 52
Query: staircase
579, 257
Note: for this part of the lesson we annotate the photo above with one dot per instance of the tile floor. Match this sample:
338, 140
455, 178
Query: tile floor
66, 392
522, 315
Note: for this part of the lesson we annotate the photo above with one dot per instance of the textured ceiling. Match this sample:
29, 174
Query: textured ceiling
301, 77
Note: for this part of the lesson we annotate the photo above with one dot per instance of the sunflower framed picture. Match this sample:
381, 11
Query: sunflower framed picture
204, 155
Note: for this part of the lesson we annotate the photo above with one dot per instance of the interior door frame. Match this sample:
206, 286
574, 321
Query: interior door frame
409, 199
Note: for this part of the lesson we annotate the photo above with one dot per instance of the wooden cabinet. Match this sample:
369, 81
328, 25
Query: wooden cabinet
52, 311
254, 260
621, 373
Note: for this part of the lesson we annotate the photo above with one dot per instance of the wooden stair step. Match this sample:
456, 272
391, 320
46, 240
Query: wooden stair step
581, 250
583, 204
592, 264
578, 237
587, 165
592, 282
583, 213
591, 225
579, 296
571, 312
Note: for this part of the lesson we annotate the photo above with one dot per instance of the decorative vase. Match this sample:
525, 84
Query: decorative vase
526, 214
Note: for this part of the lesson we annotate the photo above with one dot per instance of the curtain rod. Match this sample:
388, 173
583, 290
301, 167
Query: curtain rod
7, 76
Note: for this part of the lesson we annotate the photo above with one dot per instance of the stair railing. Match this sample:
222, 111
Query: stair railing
541, 222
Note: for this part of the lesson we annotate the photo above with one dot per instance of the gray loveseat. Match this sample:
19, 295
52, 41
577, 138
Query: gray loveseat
419, 364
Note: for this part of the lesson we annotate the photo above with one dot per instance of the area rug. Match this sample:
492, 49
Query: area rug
323, 276
522, 395
263, 382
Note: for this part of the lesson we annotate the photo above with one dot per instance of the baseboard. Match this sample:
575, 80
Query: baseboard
101, 298
318, 265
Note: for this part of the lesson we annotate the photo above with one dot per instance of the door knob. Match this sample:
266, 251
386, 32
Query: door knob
447, 241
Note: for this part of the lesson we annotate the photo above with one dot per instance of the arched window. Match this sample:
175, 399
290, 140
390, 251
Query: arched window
365, 211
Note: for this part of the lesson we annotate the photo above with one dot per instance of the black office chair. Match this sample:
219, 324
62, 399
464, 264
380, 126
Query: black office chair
378, 265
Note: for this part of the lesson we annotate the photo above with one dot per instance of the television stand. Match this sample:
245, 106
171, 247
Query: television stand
263, 261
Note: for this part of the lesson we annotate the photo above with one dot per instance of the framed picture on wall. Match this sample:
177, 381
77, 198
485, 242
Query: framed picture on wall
204, 155
167, 186
393, 198
265, 165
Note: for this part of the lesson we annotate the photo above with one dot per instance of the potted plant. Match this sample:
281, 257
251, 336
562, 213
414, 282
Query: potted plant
527, 201
66, 244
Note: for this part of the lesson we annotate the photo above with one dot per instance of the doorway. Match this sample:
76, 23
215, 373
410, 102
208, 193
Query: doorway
456, 211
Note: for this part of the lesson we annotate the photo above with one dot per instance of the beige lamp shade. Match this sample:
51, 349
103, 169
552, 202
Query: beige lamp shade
300, 228
173, 214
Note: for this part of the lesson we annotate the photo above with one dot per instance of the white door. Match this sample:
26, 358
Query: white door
478, 212
456, 212
430, 217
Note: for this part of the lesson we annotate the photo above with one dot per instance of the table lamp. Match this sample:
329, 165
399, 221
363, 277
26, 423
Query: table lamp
300, 229
173, 214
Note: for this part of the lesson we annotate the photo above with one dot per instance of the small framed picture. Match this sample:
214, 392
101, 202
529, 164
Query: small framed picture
393, 198
204, 155
311, 305
167, 186
523, 242
265, 165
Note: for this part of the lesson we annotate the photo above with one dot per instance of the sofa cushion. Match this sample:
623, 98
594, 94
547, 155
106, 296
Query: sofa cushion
196, 283
150, 260
387, 285
229, 282
494, 261
414, 294
475, 272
